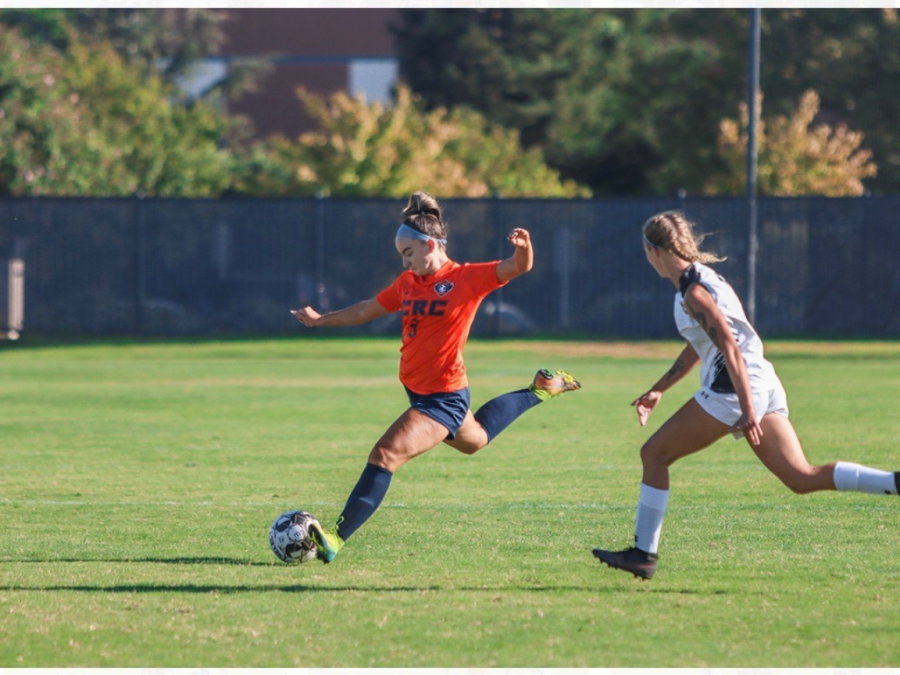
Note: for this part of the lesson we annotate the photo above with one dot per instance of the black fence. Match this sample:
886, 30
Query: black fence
826, 267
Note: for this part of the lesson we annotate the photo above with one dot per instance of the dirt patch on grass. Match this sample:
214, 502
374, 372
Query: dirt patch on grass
624, 350
670, 349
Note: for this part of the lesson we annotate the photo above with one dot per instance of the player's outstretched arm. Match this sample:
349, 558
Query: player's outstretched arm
522, 259
646, 402
361, 312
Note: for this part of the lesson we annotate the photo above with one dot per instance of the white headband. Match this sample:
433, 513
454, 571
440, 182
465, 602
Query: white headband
407, 232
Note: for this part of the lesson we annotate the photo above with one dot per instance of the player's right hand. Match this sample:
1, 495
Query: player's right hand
519, 237
645, 403
748, 425
307, 316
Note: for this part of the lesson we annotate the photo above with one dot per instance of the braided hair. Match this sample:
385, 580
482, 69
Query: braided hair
423, 213
673, 232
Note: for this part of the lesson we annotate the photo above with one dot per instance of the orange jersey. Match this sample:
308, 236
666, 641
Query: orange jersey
438, 311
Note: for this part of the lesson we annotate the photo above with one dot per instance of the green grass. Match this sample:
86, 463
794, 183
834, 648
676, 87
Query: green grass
138, 481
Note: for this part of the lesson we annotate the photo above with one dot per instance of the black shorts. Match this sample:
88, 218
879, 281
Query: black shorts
446, 408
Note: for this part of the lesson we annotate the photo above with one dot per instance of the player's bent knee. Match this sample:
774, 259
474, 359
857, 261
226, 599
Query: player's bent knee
800, 484
798, 489
802, 488
385, 458
653, 454
467, 446
469, 440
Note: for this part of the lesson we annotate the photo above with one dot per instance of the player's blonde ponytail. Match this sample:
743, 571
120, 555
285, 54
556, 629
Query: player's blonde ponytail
673, 232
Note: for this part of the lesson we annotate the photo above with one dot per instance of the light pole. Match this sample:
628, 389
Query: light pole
752, 96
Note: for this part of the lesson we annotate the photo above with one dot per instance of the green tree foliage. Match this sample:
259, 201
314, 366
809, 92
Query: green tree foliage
618, 100
507, 64
167, 42
362, 149
147, 37
85, 122
796, 156
851, 58
629, 101
640, 112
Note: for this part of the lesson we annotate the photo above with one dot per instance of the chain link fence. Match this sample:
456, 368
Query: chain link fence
826, 267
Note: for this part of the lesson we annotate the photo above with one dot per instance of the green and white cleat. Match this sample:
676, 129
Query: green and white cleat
547, 385
328, 543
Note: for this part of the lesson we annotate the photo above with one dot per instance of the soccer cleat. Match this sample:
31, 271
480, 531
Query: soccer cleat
547, 385
897, 481
640, 563
328, 543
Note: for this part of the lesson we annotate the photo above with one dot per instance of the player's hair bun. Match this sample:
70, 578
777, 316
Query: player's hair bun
422, 203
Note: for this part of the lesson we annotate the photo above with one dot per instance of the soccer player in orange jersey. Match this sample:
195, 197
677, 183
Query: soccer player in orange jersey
437, 299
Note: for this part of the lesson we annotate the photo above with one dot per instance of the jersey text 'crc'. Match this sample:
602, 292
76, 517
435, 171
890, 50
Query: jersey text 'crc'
423, 307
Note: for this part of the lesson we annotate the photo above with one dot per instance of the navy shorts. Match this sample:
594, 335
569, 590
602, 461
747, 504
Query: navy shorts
446, 408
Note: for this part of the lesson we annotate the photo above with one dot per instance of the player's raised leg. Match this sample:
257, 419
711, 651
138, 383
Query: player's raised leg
493, 417
782, 454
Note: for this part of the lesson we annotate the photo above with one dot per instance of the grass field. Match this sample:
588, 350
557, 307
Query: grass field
138, 481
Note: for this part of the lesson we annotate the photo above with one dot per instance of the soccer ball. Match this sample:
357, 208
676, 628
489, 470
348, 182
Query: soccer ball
289, 537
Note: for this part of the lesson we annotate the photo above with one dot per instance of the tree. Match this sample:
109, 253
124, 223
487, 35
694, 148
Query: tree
852, 60
85, 122
639, 112
618, 100
34, 113
167, 42
629, 101
363, 149
506, 64
796, 156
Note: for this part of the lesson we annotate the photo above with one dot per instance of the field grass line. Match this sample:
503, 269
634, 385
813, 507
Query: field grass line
204, 503
518, 506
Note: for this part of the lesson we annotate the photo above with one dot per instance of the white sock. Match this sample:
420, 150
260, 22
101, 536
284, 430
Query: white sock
650, 513
857, 478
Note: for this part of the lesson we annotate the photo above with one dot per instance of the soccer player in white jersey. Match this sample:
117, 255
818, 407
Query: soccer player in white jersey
740, 394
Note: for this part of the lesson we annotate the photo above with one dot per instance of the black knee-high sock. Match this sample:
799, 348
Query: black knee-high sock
365, 499
500, 412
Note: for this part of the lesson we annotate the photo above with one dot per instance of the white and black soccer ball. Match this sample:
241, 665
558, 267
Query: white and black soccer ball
289, 537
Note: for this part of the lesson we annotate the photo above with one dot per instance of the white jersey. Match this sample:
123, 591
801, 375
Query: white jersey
714, 373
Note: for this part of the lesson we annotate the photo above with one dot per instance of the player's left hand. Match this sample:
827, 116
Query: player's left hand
645, 403
520, 238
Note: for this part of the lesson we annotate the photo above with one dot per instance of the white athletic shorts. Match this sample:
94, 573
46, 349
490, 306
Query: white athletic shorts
727, 408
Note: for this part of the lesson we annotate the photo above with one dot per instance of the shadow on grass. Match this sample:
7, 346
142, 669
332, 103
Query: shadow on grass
304, 588
641, 587
213, 588
161, 561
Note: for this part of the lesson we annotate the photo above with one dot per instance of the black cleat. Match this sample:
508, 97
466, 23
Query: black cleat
897, 481
640, 563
